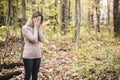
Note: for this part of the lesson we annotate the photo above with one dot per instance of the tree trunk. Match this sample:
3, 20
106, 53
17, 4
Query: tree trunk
108, 13
15, 19
63, 5
89, 21
116, 14
98, 15
55, 16
61, 11
97, 25
69, 5
97, 18
23, 22
92, 20
23, 12
67, 12
7, 29
78, 23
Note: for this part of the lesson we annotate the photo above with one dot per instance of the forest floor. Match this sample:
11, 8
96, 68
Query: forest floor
57, 61
94, 60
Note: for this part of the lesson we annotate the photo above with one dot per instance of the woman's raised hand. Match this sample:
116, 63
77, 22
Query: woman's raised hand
36, 22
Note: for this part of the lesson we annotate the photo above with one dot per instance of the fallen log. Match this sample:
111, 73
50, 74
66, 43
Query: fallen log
12, 65
9, 75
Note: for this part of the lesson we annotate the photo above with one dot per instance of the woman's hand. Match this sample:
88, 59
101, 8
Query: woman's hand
46, 41
36, 22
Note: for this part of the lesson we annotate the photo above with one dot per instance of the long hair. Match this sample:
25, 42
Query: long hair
36, 13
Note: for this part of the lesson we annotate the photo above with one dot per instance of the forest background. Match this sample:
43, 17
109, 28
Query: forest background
84, 38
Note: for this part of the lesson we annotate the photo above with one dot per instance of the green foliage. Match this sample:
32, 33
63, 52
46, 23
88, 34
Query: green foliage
2, 12
12, 32
98, 60
2, 34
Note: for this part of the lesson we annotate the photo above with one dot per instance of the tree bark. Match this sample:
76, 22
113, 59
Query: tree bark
15, 19
69, 5
78, 23
116, 14
23, 12
23, 22
63, 11
55, 17
97, 18
108, 13
7, 29
98, 15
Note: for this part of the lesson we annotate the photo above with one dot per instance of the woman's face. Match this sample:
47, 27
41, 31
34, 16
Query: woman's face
38, 19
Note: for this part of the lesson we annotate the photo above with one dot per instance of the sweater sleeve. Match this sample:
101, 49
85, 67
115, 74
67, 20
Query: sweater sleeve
40, 35
33, 37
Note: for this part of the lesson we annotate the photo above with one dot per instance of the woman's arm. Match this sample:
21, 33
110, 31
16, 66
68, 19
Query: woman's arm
28, 35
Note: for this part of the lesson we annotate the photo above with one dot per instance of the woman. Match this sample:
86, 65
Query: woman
32, 33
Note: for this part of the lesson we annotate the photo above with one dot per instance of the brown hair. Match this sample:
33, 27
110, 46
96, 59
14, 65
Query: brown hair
36, 13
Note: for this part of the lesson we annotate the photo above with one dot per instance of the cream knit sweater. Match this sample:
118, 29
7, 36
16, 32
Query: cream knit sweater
32, 36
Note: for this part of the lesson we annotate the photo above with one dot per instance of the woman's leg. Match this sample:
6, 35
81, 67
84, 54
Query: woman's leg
35, 70
28, 65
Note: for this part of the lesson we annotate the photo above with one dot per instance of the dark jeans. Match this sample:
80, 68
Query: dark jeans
31, 67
